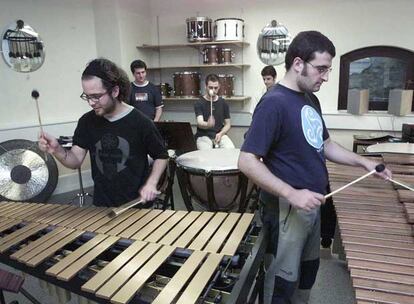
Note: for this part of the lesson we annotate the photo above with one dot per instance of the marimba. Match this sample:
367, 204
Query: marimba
143, 255
376, 234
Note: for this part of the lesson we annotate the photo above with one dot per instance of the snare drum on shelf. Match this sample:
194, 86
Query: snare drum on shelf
225, 56
211, 54
213, 179
199, 29
186, 84
227, 29
226, 84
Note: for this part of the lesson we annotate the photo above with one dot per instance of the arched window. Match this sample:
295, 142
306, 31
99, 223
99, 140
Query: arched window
379, 69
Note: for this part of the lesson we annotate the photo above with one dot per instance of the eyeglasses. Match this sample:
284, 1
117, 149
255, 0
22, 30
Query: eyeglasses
321, 68
92, 97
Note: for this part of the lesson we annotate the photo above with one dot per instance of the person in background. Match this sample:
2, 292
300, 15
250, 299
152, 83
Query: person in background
118, 138
145, 96
213, 117
269, 76
284, 154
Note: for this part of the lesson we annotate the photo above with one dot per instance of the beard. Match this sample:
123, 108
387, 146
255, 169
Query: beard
304, 84
109, 108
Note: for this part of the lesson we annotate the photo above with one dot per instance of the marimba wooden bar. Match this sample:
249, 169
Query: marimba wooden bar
376, 234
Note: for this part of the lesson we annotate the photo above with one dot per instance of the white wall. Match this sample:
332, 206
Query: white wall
69, 37
74, 32
349, 24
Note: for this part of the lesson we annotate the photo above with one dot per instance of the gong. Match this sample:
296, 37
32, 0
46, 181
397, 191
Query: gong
25, 173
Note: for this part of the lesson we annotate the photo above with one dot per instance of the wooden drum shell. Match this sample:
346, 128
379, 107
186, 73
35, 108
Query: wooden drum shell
186, 84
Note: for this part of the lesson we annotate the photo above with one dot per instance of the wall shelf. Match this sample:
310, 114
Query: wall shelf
197, 66
232, 98
171, 63
194, 44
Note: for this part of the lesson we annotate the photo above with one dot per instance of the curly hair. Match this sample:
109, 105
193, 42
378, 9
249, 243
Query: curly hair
111, 76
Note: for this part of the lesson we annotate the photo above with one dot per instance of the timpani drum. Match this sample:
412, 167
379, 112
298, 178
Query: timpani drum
211, 54
213, 179
229, 29
225, 56
226, 85
186, 84
199, 29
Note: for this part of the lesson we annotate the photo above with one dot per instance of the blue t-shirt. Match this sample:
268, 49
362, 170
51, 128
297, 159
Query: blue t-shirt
146, 99
288, 133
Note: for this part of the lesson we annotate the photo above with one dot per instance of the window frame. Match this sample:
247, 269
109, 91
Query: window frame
373, 51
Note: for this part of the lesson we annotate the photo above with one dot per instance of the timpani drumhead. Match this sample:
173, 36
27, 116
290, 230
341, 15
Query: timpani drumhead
25, 174
400, 148
210, 160
220, 165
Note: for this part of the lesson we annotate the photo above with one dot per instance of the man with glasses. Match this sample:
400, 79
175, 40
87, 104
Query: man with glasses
117, 136
289, 134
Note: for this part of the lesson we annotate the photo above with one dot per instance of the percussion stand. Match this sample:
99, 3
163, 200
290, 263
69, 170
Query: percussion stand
169, 196
183, 184
82, 194
13, 283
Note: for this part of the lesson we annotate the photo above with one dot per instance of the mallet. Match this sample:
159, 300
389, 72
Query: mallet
211, 92
379, 168
35, 96
117, 211
400, 183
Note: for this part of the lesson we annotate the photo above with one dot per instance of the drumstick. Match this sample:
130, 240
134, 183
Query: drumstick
379, 168
117, 211
401, 184
35, 96
211, 93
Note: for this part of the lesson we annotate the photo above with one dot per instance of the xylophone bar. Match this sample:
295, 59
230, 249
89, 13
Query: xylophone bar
208, 231
171, 290
79, 259
37, 235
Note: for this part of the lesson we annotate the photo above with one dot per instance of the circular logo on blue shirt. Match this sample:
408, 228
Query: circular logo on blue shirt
312, 127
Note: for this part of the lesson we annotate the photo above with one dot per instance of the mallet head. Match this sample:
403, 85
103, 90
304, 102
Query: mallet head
35, 94
379, 168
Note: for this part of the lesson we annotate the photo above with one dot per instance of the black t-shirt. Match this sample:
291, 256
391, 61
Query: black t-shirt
220, 113
288, 132
146, 98
118, 152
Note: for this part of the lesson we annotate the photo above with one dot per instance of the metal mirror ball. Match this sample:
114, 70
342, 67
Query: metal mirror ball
22, 48
272, 43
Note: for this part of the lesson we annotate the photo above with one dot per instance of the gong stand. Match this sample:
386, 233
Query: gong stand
82, 194
66, 142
